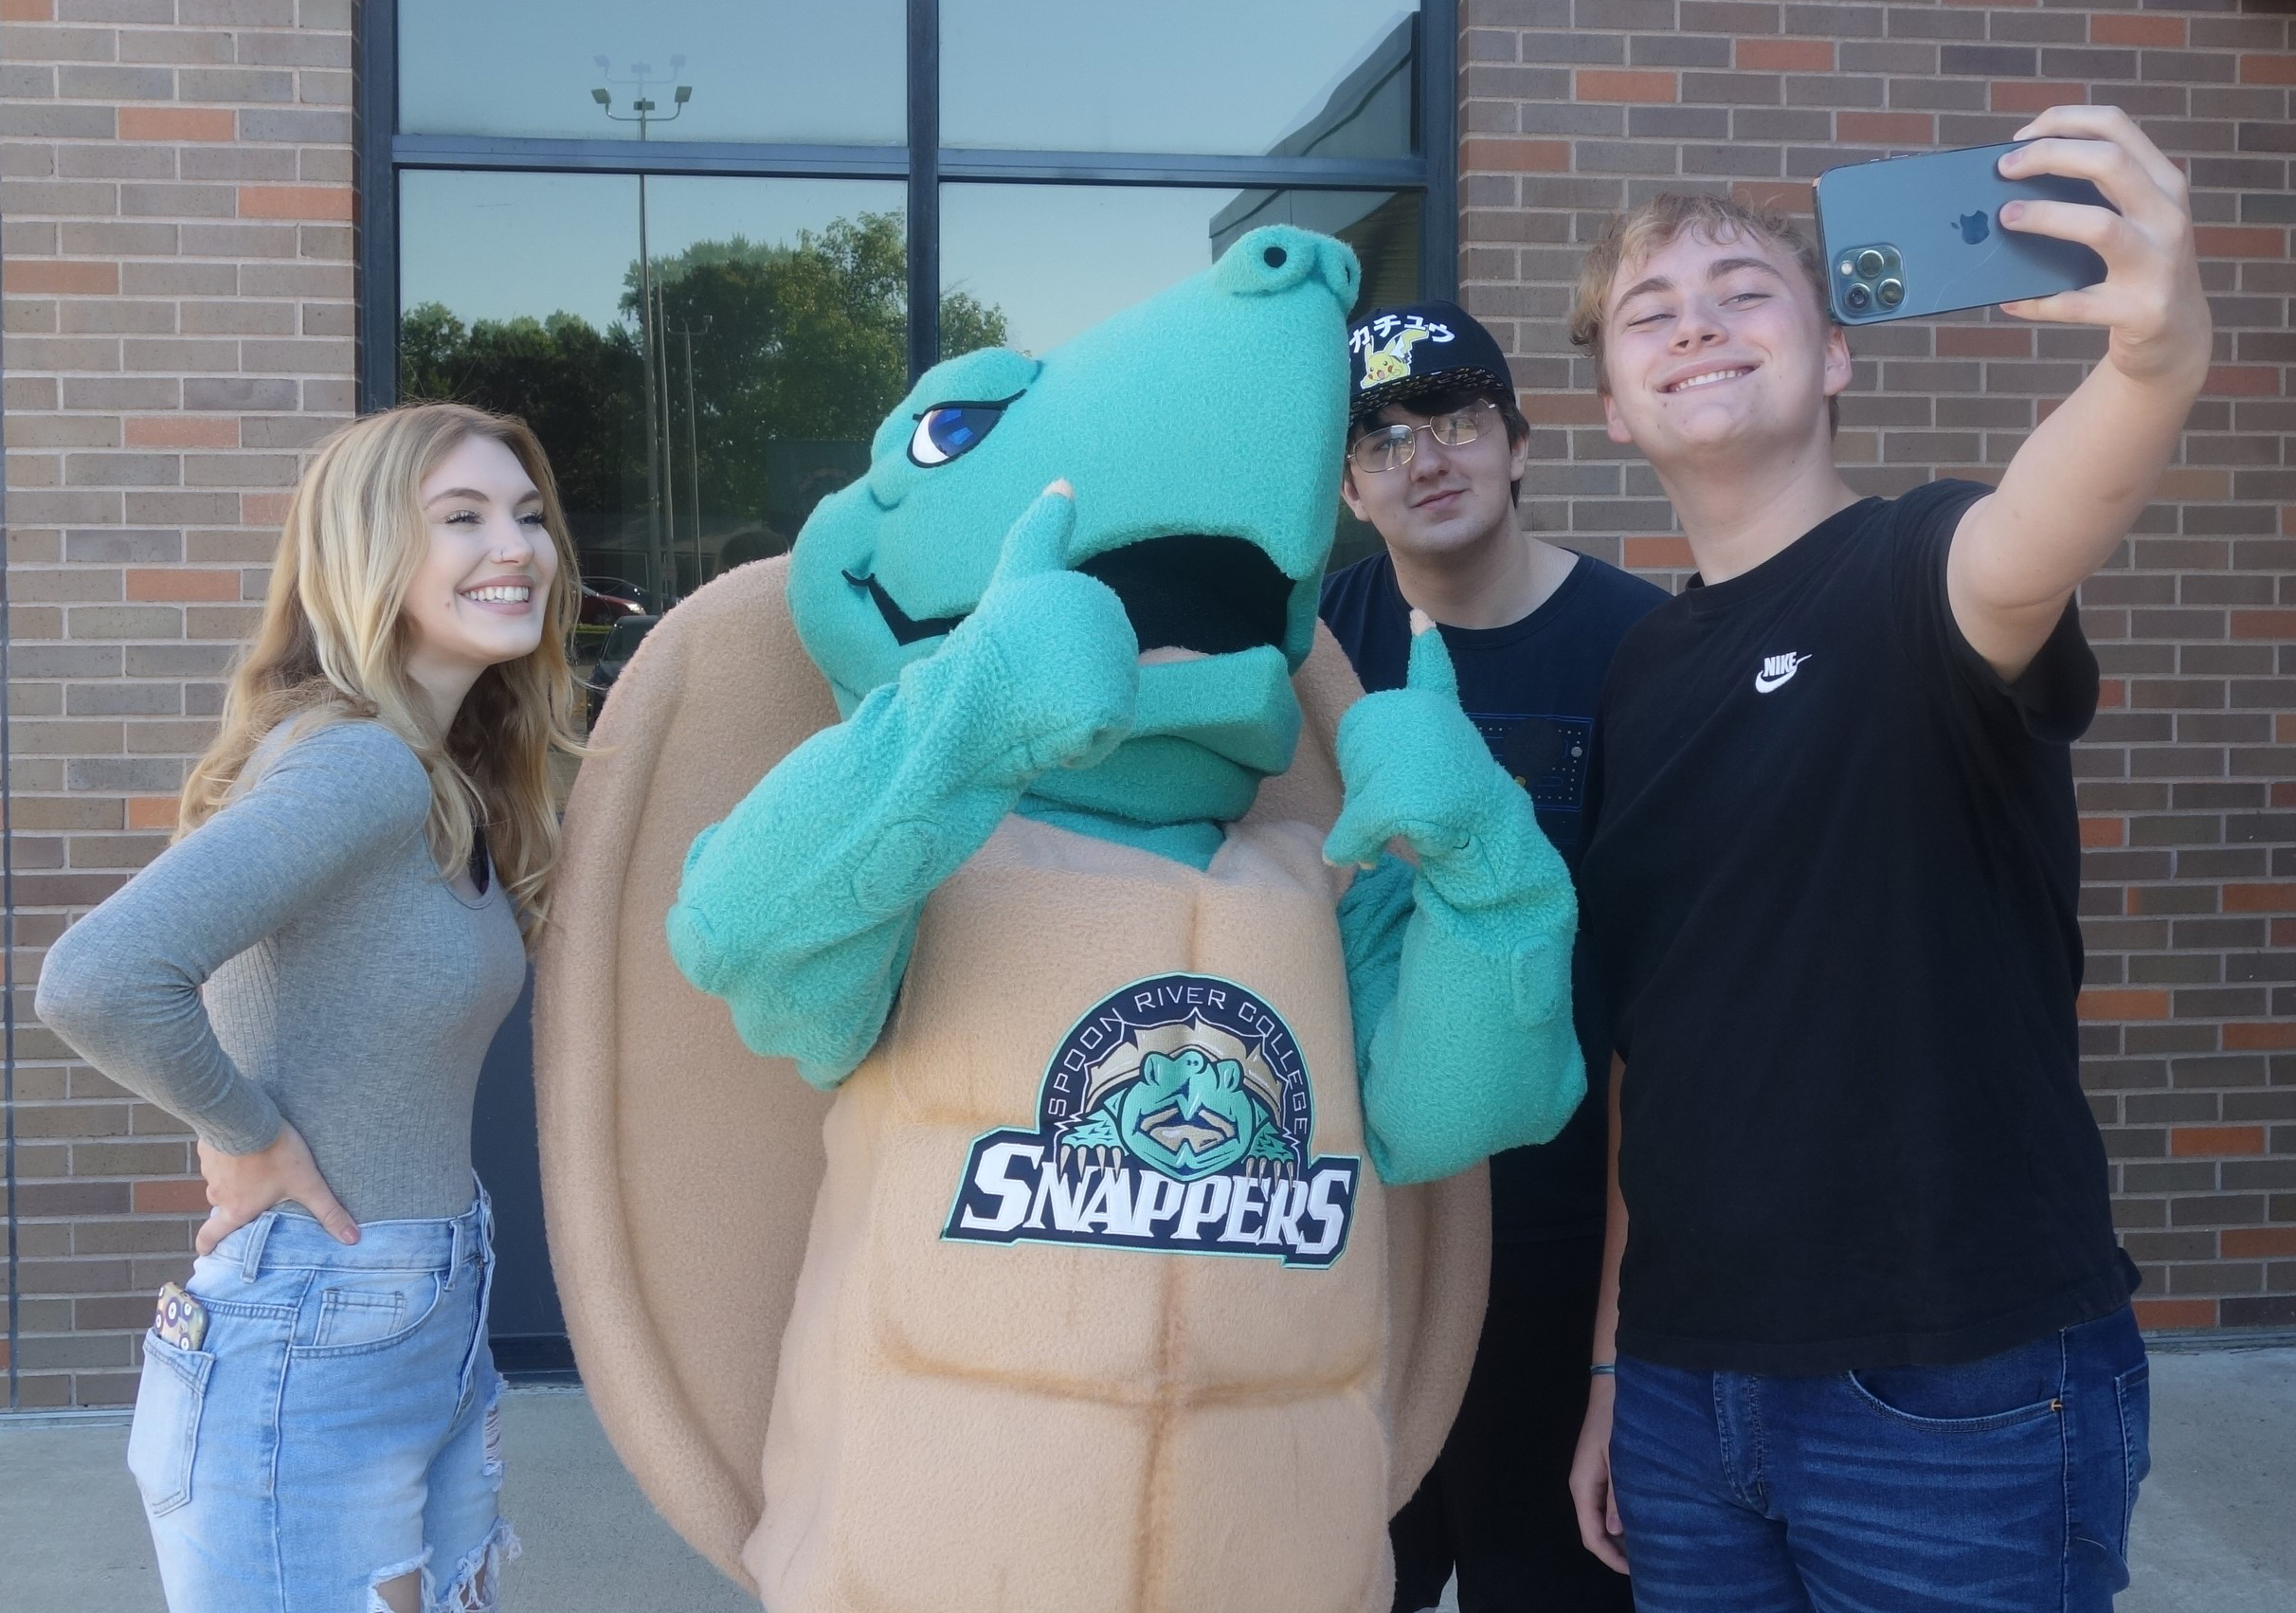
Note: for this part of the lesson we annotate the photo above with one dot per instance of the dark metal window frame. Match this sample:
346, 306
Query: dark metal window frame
383, 152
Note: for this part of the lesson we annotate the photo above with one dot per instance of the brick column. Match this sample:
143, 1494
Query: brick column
1573, 108
178, 289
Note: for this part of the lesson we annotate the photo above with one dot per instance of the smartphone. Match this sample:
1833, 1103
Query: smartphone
181, 1319
1923, 234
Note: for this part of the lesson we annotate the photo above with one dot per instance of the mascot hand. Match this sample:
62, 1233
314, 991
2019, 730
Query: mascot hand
1460, 975
801, 906
1417, 772
1046, 669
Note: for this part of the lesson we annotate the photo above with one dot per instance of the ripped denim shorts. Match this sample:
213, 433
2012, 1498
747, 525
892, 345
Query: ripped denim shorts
336, 1427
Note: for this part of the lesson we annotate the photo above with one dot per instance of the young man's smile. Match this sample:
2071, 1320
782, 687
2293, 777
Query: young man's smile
1706, 374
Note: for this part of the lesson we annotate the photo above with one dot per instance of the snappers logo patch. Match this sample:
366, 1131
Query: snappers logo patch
1174, 1116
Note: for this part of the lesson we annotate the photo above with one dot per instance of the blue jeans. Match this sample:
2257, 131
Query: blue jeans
2003, 1485
338, 1427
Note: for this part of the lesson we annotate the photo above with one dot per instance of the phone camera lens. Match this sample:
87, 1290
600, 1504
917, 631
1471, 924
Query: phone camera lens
1869, 263
1856, 298
1890, 292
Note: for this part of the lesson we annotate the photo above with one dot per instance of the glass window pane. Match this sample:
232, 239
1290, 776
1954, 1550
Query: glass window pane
774, 70
692, 442
1325, 78
1048, 260
1034, 264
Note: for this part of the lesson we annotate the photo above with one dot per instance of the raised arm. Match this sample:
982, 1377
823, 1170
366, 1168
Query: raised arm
1459, 972
800, 909
2073, 490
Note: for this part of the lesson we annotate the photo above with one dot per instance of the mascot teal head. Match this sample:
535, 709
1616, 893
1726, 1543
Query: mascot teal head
1202, 431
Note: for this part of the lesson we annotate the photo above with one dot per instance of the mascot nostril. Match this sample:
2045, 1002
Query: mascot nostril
1137, 1260
1281, 260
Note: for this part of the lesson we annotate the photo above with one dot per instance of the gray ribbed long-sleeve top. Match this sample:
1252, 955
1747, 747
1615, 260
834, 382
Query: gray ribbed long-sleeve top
347, 986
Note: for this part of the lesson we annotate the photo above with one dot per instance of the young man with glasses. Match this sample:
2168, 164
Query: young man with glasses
1435, 453
1870, 1349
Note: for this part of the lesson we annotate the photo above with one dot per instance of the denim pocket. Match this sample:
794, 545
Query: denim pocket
372, 1312
164, 1440
1998, 1391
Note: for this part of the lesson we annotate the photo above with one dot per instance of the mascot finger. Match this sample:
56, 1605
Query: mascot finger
1038, 542
1430, 667
1364, 827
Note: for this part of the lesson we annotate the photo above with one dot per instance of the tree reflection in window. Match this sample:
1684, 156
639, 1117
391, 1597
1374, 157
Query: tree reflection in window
803, 352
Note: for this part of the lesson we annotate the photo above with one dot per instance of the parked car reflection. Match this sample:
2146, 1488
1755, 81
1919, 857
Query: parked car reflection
602, 607
621, 641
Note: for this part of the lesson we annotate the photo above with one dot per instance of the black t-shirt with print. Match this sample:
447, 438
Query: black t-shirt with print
1530, 688
1830, 895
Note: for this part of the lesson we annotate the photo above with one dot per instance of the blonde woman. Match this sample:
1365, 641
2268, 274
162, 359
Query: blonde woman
309, 978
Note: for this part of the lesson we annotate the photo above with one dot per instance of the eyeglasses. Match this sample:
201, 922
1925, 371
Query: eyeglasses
1384, 448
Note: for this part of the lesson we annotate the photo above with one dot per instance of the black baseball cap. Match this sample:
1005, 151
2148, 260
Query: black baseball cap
1395, 355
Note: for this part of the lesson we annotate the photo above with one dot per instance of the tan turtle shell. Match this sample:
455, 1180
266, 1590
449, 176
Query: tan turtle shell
962, 1426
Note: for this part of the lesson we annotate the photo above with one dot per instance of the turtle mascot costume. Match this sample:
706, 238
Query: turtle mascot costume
1040, 1231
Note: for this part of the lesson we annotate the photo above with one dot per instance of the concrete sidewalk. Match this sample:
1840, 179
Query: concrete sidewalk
2212, 1533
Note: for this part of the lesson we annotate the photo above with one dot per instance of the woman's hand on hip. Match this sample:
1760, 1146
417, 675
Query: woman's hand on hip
244, 1186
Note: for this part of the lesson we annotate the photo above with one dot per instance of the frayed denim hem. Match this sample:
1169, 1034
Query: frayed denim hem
477, 1586
396, 1571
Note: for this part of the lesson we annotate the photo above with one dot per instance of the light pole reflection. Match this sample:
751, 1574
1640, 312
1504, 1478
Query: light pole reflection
689, 332
645, 112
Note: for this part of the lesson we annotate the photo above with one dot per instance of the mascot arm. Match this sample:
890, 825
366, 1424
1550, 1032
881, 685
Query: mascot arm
800, 908
1459, 972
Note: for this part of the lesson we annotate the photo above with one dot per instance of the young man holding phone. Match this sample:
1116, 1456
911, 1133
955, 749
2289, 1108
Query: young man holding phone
1865, 1342
1437, 448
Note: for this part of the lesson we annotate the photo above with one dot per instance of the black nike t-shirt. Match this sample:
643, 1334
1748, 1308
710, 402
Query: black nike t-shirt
1830, 895
1530, 687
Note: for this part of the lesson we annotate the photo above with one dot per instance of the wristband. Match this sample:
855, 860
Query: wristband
1604, 1370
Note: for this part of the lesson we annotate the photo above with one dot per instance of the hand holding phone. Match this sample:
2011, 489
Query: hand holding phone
2150, 297
1926, 234
2078, 221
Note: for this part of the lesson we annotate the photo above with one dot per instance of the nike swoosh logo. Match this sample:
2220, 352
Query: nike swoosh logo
905, 629
1763, 684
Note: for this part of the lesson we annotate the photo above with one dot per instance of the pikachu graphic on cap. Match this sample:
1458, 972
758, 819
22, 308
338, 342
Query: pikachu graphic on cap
1392, 361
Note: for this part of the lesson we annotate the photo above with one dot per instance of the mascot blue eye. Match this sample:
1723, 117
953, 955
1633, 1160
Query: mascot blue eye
946, 430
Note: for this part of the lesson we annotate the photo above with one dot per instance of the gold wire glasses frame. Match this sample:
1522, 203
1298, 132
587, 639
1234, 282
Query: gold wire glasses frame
1387, 447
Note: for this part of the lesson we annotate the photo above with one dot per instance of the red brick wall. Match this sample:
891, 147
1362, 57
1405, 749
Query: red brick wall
2188, 779
176, 175
175, 182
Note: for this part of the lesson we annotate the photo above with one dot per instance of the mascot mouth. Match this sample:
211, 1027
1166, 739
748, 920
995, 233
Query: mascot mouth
906, 629
1195, 592
1185, 590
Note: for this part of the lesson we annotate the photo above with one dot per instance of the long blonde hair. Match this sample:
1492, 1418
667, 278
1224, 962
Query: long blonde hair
333, 645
